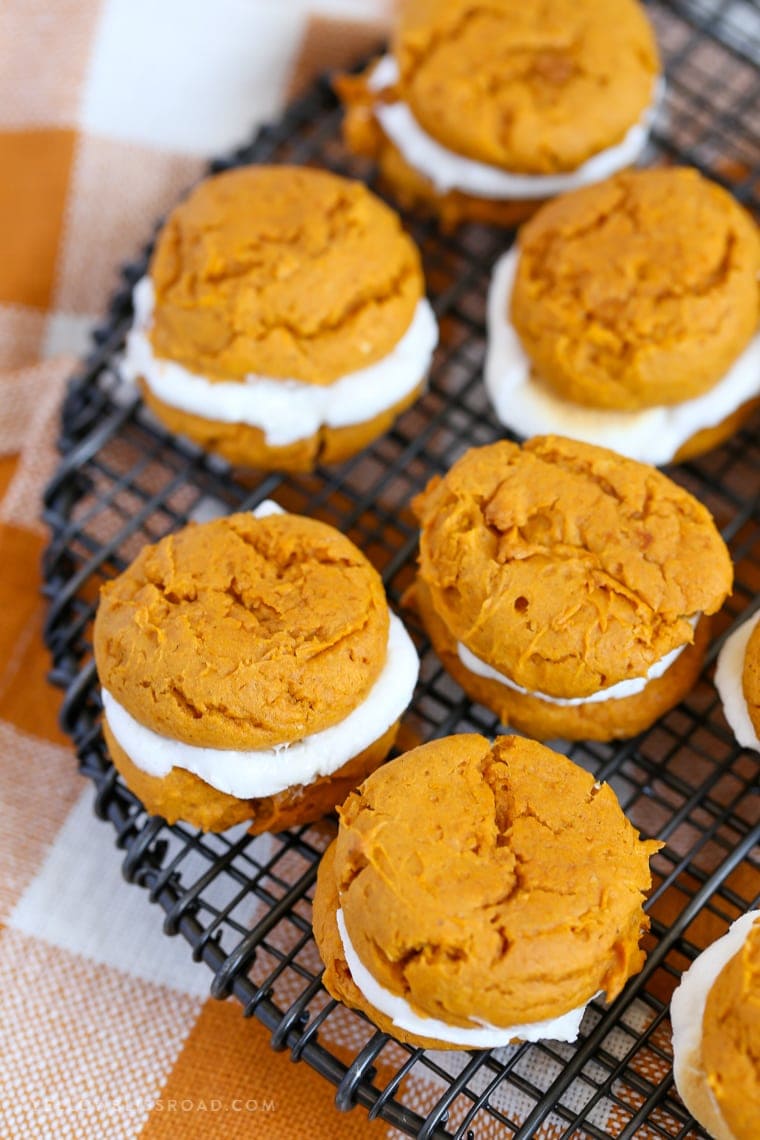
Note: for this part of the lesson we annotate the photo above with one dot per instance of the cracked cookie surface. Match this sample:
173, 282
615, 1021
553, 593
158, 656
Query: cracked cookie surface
286, 272
616, 718
243, 632
639, 291
534, 88
564, 566
484, 881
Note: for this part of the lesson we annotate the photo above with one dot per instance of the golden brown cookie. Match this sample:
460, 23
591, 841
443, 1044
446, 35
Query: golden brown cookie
706, 439
245, 635
482, 883
567, 570
181, 795
243, 632
411, 189
282, 271
246, 446
596, 720
731, 1039
639, 291
716, 1034
516, 87
751, 678
267, 274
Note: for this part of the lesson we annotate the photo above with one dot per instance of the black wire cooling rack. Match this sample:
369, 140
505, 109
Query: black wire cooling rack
243, 904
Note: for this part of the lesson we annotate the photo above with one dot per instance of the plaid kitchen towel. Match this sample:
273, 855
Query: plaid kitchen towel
109, 110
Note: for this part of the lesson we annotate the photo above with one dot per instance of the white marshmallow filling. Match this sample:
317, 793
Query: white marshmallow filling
529, 407
481, 1036
448, 170
729, 670
285, 410
265, 772
621, 689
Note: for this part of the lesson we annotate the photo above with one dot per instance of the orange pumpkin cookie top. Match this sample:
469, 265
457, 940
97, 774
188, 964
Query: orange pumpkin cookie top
285, 272
535, 88
731, 1039
491, 881
564, 566
751, 678
639, 291
243, 632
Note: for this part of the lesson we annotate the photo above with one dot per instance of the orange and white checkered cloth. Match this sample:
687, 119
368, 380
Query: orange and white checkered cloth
108, 111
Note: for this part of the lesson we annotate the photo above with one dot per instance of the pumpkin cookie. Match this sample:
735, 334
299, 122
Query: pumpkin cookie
481, 111
737, 679
716, 1033
480, 893
250, 671
628, 317
564, 586
283, 320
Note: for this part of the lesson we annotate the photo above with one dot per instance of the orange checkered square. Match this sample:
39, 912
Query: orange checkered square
36, 166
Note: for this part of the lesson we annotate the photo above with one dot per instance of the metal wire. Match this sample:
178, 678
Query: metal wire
243, 905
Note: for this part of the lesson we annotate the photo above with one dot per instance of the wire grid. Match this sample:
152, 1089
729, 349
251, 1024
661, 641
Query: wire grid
244, 904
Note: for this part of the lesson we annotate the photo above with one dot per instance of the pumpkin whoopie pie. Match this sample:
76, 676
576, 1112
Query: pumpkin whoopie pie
627, 316
716, 1033
479, 893
283, 321
251, 671
565, 587
481, 111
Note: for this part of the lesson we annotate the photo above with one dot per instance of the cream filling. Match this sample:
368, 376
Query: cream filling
250, 774
448, 170
266, 508
616, 692
529, 407
285, 410
483, 1036
729, 670
687, 1007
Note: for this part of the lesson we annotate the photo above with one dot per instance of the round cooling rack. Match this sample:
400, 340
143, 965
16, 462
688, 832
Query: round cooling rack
244, 904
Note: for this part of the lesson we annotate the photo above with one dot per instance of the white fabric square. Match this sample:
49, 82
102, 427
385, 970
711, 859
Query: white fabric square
187, 75
67, 334
109, 1044
79, 902
349, 9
